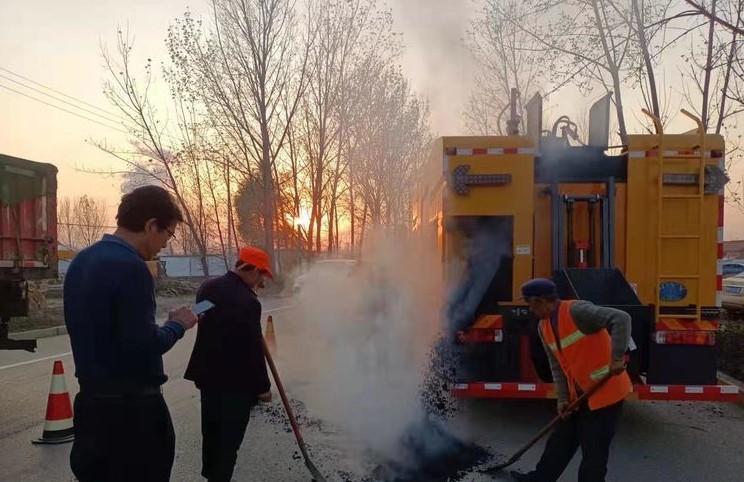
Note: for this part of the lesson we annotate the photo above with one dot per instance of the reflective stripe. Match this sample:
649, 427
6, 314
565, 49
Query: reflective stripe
568, 340
600, 373
572, 338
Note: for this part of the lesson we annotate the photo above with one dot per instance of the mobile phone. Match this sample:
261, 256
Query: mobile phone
202, 307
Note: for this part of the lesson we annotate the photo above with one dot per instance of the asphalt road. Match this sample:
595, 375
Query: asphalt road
656, 441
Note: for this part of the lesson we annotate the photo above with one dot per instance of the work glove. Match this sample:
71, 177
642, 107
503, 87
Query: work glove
562, 406
617, 367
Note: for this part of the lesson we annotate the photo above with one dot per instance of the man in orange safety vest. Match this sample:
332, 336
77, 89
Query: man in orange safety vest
585, 343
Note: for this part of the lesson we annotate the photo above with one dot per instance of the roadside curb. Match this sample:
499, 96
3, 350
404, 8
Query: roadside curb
62, 329
733, 381
42, 333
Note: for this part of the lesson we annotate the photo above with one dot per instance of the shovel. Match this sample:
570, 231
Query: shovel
317, 476
546, 429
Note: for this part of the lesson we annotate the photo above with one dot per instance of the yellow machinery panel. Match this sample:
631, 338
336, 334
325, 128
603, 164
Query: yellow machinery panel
495, 176
489, 176
672, 234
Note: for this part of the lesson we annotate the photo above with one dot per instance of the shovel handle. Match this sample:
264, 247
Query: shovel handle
576, 403
317, 476
283, 395
544, 431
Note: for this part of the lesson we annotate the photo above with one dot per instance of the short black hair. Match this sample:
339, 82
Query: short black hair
145, 203
243, 266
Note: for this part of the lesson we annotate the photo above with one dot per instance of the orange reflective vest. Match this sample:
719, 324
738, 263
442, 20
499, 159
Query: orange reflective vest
585, 359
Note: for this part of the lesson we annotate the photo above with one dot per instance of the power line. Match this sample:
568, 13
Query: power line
115, 117
60, 100
63, 109
57, 91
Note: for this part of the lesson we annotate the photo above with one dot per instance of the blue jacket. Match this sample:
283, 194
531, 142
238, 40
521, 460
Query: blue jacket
110, 316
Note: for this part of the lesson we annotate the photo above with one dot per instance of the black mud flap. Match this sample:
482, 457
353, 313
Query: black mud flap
8, 344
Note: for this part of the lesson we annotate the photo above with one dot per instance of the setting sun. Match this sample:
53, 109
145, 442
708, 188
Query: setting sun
303, 220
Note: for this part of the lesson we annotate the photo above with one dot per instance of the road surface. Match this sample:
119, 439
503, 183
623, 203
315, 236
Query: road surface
657, 441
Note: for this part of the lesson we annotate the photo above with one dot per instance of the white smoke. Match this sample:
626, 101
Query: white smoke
370, 340
364, 337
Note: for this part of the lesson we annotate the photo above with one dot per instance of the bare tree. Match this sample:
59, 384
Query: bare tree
584, 42
393, 135
711, 84
90, 215
82, 220
152, 144
347, 33
270, 116
647, 21
504, 51
244, 73
66, 222
702, 10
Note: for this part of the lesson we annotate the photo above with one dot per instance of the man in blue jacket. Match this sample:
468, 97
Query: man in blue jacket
123, 430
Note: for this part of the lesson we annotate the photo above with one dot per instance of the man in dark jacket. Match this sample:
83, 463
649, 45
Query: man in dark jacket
227, 364
123, 430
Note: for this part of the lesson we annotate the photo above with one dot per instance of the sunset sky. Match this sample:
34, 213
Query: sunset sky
58, 44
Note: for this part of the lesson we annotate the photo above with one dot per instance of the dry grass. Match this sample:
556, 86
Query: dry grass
731, 347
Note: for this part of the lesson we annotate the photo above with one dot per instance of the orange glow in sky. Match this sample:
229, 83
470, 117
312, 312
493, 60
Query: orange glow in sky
58, 44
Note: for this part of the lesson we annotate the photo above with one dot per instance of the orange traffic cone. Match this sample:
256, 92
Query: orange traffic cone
270, 336
58, 425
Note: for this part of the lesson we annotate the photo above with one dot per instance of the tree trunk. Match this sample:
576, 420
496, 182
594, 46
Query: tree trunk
204, 264
364, 225
705, 115
319, 216
352, 208
230, 209
229, 254
268, 195
614, 73
729, 67
279, 220
641, 31
331, 208
336, 216
218, 223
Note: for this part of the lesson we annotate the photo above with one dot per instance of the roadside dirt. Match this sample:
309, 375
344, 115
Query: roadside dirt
47, 310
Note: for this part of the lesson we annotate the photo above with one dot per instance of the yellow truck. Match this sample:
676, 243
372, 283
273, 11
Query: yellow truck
640, 230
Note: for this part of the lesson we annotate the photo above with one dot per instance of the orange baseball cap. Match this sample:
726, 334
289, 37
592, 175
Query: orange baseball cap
256, 257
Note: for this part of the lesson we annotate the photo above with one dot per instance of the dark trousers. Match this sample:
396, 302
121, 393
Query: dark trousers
225, 417
122, 439
593, 432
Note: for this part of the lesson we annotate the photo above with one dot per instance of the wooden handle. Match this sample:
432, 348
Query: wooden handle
285, 400
570, 408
